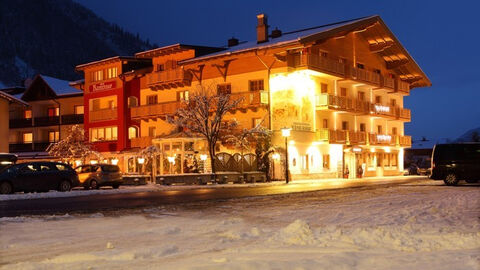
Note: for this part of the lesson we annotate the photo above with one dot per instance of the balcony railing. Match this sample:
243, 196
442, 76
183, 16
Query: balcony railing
383, 110
140, 142
20, 123
403, 113
364, 76
402, 87
103, 115
381, 139
72, 119
252, 98
317, 62
47, 121
342, 103
155, 110
356, 137
361, 138
28, 147
388, 82
404, 141
169, 78
331, 136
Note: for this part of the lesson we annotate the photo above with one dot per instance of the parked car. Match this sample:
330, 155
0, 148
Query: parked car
454, 162
423, 168
37, 176
98, 175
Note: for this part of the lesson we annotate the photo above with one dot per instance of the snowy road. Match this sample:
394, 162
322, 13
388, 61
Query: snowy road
419, 225
156, 195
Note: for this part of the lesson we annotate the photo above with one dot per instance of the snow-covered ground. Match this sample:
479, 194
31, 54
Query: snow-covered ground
154, 187
422, 225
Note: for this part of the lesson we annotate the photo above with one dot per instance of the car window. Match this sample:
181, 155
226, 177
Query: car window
110, 168
29, 168
61, 167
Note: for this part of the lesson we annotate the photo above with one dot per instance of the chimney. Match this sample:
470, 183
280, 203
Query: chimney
276, 33
262, 28
232, 42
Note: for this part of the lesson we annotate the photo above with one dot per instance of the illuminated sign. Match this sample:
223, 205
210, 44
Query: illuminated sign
384, 138
381, 108
103, 86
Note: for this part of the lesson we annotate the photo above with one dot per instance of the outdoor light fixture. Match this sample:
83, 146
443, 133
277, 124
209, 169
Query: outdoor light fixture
357, 149
93, 161
276, 156
114, 161
286, 134
203, 157
387, 149
171, 159
141, 160
78, 162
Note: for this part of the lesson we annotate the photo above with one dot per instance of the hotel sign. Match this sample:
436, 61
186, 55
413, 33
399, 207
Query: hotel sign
383, 138
381, 108
103, 86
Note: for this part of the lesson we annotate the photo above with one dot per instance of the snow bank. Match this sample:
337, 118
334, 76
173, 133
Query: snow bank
423, 226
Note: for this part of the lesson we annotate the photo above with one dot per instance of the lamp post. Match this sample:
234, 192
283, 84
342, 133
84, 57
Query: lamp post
140, 161
286, 134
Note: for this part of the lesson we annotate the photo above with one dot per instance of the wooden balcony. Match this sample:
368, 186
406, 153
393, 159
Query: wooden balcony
140, 142
381, 139
251, 98
388, 83
155, 110
39, 146
345, 104
383, 110
331, 136
356, 137
405, 141
103, 115
72, 119
402, 87
364, 76
20, 123
47, 121
317, 62
166, 79
404, 114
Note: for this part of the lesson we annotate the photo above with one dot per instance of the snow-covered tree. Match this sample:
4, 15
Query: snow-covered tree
244, 139
203, 114
73, 147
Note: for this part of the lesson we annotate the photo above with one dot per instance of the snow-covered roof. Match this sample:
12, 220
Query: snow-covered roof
284, 39
60, 87
13, 98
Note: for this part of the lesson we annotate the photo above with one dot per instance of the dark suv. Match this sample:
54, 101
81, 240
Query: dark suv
37, 176
454, 162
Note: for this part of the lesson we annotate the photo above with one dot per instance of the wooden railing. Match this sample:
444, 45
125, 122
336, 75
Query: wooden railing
383, 110
140, 142
364, 75
47, 121
402, 87
331, 136
403, 113
341, 103
70, 119
404, 141
388, 82
252, 98
154, 110
317, 62
169, 78
103, 115
361, 138
356, 137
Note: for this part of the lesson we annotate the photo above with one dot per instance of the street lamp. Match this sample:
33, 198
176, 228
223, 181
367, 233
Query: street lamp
140, 161
286, 134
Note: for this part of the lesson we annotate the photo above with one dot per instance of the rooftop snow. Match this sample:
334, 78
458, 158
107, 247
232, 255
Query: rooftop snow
60, 87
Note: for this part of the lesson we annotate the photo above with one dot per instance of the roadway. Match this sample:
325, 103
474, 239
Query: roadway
118, 201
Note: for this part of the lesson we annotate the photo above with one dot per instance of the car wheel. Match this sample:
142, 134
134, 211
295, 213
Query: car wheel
94, 184
65, 186
115, 186
6, 188
451, 180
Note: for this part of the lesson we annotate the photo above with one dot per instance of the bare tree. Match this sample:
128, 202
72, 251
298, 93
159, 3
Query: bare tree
73, 147
203, 114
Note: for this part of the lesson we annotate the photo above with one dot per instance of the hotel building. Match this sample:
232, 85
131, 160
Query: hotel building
339, 87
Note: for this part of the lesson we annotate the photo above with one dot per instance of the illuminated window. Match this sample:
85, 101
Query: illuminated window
79, 109
182, 95
224, 89
52, 111
324, 88
27, 137
97, 75
255, 85
53, 136
27, 114
132, 132
103, 134
152, 99
112, 73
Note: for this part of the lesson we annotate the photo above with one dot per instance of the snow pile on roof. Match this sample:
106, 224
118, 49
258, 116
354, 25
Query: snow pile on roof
60, 87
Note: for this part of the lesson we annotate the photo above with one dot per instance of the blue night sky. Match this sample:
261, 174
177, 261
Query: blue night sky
442, 36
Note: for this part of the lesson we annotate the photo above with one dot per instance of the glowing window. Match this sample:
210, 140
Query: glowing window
132, 132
